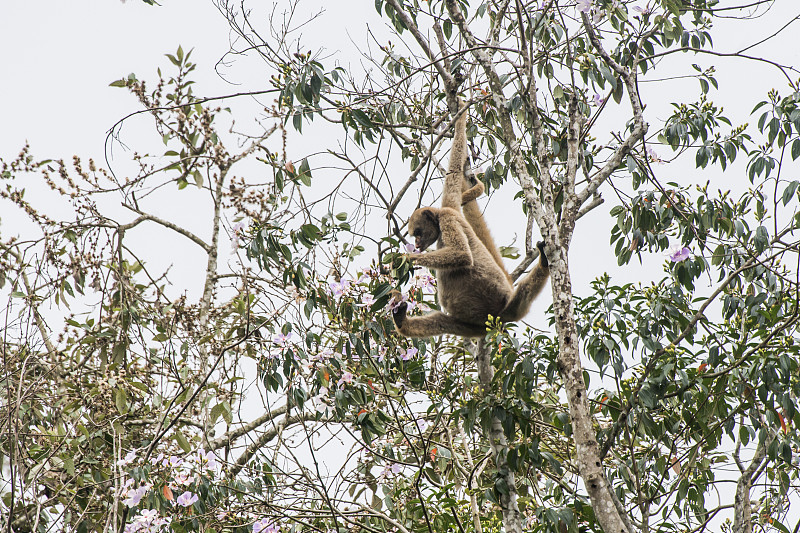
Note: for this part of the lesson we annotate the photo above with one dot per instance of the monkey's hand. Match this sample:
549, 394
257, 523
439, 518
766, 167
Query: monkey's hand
542, 258
409, 259
398, 307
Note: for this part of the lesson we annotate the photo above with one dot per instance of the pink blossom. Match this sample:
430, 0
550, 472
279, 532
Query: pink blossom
598, 100
653, 156
394, 468
426, 282
410, 248
367, 299
282, 340
133, 497
147, 522
186, 499
207, 459
676, 254
347, 377
128, 459
265, 525
182, 477
318, 401
584, 6
338, 288
408, 353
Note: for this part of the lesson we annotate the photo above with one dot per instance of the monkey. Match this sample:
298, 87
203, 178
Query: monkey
472, 280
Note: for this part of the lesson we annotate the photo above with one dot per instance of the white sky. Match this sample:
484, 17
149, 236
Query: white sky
59, 57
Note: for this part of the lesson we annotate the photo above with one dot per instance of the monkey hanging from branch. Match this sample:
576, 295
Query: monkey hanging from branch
471, 278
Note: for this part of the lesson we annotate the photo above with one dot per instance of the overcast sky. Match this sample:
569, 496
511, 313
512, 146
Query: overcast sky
59, 57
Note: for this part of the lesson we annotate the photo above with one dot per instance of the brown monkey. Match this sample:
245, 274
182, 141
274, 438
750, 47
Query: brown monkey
472, 280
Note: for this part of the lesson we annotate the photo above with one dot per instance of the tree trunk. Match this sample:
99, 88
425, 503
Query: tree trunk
607, 508
499, 446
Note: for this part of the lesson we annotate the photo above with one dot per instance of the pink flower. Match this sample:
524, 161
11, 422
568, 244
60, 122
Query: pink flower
426, 282
207, 459
347, 377
265, 525
584, 6
182, 477
282, 340
186, 499
394, 468
133, 497
598, 100
676, 255
367, 299
410, 248
338, 288
409, 353
128, 459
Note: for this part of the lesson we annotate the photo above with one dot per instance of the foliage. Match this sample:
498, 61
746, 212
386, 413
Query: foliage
266, 390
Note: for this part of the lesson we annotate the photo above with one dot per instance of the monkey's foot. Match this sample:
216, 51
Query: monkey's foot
542, 257
398, 307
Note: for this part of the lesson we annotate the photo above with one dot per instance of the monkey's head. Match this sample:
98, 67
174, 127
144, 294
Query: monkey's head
424, 227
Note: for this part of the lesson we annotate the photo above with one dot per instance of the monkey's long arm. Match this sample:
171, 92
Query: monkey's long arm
460, 194
451, 196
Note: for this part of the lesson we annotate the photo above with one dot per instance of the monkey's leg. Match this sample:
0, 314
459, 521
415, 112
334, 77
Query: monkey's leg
433, 325
472, 193
528, 289
474, 216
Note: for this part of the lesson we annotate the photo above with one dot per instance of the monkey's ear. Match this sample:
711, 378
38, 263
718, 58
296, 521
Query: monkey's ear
431, 216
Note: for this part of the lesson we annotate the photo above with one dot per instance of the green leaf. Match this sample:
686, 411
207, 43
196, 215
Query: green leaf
305, 173
222, 409
795, 149
363, 119
182, 442
789, 191
448, 28
118, 83
121, 400
618, 92
673, 6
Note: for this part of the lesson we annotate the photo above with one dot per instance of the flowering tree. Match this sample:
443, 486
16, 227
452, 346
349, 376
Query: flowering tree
279, 398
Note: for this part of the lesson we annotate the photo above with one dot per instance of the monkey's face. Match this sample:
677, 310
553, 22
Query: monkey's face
424, 227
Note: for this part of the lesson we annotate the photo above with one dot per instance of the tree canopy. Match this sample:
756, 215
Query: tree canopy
269, 391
